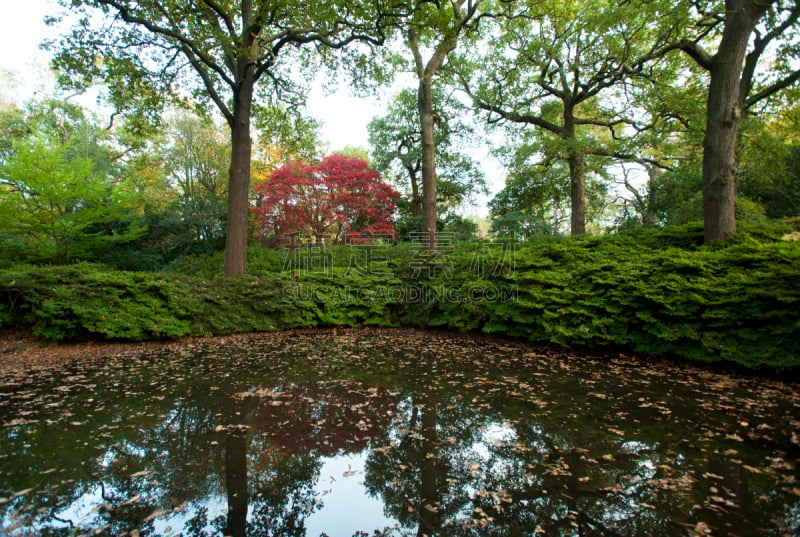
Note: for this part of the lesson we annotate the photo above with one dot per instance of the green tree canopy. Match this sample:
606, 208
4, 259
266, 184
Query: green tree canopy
225, 53
396, 141
56, 207
562, 69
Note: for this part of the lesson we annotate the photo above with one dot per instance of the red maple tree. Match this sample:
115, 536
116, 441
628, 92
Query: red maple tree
339, 198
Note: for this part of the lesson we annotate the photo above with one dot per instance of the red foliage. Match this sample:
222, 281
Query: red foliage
339, 198
331, 417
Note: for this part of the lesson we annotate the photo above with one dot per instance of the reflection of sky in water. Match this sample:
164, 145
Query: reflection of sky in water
83, 512
636, 460
345, 509
345, 506
341, 489
495, 433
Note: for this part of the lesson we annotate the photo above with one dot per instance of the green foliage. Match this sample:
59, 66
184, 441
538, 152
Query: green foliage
692, 211
769, 169
396, 140
535, 200
453, 224
736, 303
658, 291
672, 192
83, 299
56, 207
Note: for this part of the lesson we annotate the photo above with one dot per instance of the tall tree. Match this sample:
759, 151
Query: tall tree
561, 68
745, 33
146, 48
434, 28
396, 140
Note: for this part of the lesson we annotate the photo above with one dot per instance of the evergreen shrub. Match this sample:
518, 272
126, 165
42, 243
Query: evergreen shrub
655, 291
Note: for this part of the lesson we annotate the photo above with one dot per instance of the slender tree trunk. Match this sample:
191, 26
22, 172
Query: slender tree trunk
425, 105
416, 200
720, 171
239, 180
425, 74
577, 175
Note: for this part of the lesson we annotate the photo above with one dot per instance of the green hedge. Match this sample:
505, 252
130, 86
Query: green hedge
659, 292
739, 304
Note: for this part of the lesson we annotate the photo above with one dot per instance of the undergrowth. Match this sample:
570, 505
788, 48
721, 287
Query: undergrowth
656, 291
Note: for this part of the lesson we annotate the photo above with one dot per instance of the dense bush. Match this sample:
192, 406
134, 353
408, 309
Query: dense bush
740, 303
657, 291
68, 301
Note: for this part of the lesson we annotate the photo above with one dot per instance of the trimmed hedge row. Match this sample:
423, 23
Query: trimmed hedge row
659, 292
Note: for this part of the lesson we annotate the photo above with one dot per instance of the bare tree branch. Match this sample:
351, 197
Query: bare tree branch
772, 89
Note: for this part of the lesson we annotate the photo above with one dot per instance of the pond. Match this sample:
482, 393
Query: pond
393, 432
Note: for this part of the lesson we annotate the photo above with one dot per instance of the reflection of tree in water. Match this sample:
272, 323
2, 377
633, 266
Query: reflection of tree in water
538, 479
170, 455
289, 429
133, 458
448, 469
454, 450
423, 468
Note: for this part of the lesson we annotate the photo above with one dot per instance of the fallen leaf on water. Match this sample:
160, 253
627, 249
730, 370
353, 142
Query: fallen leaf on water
102, 507
132, 500
752, 469
143, 473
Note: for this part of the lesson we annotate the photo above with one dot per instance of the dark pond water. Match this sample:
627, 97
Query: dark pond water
393, 433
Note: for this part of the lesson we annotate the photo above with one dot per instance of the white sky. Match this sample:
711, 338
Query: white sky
24, 74
21, 30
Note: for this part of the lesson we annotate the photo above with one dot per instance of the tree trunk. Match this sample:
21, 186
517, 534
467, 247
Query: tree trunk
720, 171
239, 179
430, 500
416, 200
236, 470
577, 189
425, 105
577, 175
